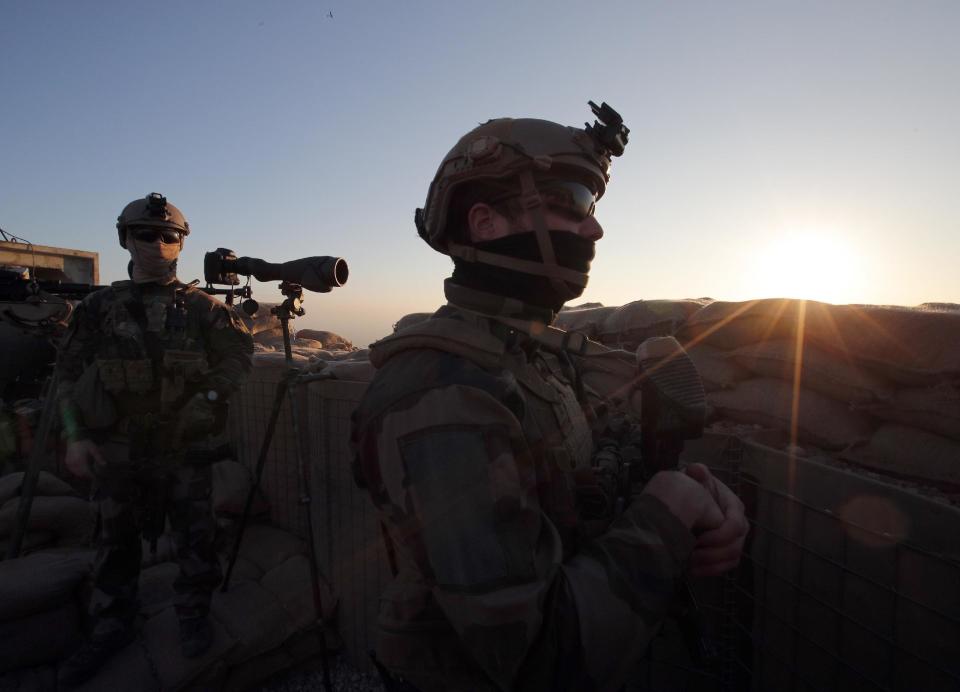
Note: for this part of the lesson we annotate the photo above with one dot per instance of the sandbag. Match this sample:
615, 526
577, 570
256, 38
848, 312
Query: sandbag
716, 370
351, 370
254, 617
231, 484
263, 321
47, 484
585, 320
269, 337
910, 452
307, 343
70, 519
935, 409
32, 541
833, 375
820, 421
289, 582
939, 307
311, 354
278, 359
266, 546
612, 375
629, 325
41, 581
905, 345
330, 340
728, 325
359, 354
410, 320
43, 637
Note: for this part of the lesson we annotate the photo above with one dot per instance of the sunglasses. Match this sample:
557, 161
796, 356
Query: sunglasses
151, 235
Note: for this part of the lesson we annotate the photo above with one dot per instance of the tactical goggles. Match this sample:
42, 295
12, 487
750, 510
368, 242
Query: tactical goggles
151, 235
572, 199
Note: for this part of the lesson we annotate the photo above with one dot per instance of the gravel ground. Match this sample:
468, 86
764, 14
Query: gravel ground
345, 678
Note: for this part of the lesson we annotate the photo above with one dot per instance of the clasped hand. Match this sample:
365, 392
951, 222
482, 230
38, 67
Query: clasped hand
710, 510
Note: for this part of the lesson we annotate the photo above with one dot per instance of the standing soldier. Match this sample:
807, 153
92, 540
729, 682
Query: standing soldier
145, 371
478, 443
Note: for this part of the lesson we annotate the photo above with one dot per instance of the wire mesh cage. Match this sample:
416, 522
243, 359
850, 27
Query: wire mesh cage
846, 583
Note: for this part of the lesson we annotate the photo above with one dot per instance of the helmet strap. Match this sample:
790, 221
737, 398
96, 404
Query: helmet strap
532, 202
547, 267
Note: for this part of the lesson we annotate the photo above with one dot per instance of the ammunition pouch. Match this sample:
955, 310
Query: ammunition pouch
126, 375
182, 372
96, 406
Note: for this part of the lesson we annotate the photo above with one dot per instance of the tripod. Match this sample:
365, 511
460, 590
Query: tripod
290, 308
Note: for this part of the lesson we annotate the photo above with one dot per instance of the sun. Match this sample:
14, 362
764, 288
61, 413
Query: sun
814, 264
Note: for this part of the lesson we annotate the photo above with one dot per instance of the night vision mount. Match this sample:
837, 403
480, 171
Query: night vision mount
157, 206
608, 129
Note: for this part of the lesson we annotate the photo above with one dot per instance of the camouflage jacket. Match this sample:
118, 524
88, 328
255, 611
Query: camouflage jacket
145, 349
473, 445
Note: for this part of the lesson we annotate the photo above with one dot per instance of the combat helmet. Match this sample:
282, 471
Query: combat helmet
524, 149
152, 211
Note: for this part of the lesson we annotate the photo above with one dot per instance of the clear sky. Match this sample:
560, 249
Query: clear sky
805, 149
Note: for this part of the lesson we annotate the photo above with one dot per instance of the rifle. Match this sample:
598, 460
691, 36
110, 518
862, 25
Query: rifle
18, 290
673, 410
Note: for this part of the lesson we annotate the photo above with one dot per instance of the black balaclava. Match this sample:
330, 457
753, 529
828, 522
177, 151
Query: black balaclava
572, 251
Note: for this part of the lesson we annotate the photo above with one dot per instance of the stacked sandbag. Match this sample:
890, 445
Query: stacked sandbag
351, 370
277, 360
630, 325
262, 625
231, 484
58, 518
264, 321
40, 607
586, 319
328, 340
878, 384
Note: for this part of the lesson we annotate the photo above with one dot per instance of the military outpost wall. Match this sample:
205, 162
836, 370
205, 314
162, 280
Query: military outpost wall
850, 468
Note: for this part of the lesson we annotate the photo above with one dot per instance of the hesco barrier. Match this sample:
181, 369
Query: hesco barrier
847, 582
349, 547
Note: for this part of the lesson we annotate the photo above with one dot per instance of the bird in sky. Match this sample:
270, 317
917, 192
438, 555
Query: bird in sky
330, 14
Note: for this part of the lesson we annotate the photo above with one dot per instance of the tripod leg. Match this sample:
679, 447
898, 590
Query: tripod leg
282, 387
306, 501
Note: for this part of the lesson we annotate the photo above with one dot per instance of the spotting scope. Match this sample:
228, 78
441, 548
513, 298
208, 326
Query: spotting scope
318, 274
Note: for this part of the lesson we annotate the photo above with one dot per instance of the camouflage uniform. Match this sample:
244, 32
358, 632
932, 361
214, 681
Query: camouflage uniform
477, 446
151, 347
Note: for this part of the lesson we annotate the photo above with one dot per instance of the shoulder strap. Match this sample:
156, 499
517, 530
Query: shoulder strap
442, 334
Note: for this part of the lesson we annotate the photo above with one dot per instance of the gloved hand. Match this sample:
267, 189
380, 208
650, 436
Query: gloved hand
718, 549
78, 457
197, 418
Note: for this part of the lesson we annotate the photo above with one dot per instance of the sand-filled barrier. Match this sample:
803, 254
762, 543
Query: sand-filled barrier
878, 386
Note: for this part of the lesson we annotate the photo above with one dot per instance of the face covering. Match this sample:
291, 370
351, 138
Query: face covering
153, 261
572, 251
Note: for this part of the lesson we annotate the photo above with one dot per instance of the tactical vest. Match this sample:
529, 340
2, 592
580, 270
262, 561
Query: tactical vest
554, 426
151, 350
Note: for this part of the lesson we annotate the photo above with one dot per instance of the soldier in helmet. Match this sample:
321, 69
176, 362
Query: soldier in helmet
478, 443
145, 370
